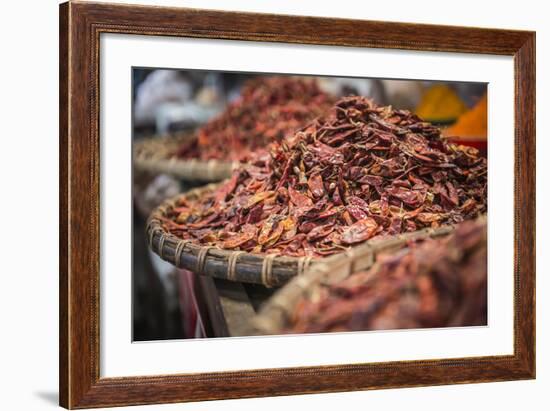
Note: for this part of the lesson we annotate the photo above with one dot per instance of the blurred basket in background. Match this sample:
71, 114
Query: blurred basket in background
155, 155
277, 316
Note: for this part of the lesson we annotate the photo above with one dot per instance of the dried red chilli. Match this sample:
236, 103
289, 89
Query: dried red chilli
360, 171
269, 109
435, 283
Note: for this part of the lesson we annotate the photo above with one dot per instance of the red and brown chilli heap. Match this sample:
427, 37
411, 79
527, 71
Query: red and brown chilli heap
436, 283
358, 172
268, 110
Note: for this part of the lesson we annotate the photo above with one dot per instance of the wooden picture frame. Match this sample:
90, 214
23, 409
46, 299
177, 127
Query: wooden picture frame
80, 27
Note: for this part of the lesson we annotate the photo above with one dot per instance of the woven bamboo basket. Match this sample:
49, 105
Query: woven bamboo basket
270, 270
155, 155
275, 315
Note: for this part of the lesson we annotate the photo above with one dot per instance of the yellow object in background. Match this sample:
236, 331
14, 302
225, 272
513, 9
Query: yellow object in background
440, 104
472, 125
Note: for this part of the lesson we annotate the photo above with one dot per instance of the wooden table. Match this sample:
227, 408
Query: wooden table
229, 307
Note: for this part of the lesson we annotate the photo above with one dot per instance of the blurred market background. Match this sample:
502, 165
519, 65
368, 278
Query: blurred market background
175, 304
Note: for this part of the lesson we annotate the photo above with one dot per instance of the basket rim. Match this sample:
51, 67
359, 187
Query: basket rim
267, 269
201, 258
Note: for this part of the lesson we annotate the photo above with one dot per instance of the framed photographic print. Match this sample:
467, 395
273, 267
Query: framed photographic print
259, 205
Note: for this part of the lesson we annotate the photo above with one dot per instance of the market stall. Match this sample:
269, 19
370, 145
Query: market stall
305, 173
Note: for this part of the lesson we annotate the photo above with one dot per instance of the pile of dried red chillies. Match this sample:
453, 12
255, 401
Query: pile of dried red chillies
268, 109
357, 172
437, 283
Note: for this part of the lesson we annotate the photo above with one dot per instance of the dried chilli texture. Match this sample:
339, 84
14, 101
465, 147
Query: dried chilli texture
358, 172
268, 109
436, 283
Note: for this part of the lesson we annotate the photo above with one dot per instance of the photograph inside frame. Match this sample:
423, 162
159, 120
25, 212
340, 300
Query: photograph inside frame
273, 204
